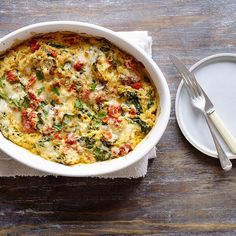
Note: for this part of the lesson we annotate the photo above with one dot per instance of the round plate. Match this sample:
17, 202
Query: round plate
217, 76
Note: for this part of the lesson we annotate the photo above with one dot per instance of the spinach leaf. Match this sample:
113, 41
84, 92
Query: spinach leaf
101, 154
40, 120
57, 127
2, 84
43, 104
26, 102
149, 93
106, 143
56, 45
78, 104
102, 115
150, 103
93, 87
143, 125
39, 75
134, 99
55, 90
40, 90
67, 65
14, 102
88, 142
4, 96
105, 48
53, 103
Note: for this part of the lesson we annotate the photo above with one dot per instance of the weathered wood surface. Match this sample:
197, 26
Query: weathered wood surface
184, 192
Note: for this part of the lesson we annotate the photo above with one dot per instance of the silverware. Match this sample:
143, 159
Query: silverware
203, 104
226, 135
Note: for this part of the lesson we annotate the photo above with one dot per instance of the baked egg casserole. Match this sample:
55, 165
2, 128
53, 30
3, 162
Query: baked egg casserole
75, 99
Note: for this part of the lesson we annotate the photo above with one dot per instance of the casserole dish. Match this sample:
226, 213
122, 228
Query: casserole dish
97, 168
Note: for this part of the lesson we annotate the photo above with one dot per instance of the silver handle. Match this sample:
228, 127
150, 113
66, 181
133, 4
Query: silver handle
224, 160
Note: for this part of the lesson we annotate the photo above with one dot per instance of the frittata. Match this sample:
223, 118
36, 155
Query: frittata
73, 98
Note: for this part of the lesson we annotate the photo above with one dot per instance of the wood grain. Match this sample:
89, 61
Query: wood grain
184, 192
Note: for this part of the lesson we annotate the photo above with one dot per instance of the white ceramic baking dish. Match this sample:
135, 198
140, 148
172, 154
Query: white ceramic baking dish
99, 168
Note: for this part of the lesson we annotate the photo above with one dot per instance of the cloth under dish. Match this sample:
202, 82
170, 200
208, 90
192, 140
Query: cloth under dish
12, 168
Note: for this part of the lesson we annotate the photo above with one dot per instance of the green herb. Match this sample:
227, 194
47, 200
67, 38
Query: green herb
101, 154
56, 45
26, 102
39, 75
40, 90
102, 115
47, 138
78, 104
150, 103
149, 92
143, 125
43, 103
97, 124
90, 115
55, 90
93, 87
2, 84
4, 96
53, 103
15, 102
57, 127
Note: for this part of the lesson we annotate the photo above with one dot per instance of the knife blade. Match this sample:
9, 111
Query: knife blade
209, 107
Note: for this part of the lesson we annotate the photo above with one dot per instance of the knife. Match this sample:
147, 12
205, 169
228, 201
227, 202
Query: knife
212, 114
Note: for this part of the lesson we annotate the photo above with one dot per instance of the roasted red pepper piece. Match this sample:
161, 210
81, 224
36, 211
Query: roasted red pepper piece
78, 66
114, 110
53, 53
31, 82
11, 76
34, 45
125, 149
137, 85
28, 122
70, 139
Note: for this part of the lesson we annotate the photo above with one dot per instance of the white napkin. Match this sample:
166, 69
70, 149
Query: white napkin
10, 167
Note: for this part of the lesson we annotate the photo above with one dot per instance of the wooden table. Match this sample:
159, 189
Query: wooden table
184, 191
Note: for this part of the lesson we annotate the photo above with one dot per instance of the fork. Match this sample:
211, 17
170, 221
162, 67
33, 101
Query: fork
198, 101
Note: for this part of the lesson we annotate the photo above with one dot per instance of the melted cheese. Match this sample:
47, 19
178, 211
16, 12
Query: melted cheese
4, 107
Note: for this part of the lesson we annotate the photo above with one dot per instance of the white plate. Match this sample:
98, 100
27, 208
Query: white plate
217, 76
